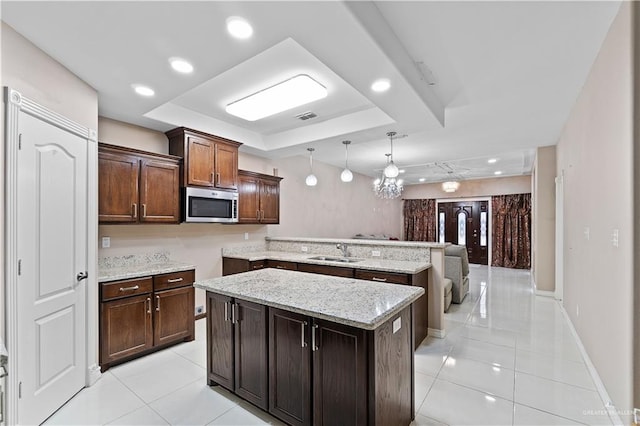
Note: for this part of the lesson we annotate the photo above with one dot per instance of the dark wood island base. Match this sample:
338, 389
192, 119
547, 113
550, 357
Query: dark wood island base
311, 371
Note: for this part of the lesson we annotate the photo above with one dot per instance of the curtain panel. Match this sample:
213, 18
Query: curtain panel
420, 220
511, 233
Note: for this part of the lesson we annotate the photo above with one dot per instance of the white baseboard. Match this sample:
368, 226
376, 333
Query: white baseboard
604, 395
546, 293
434, 332
94, 374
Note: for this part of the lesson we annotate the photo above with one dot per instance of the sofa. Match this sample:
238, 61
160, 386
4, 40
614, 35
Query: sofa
456, 268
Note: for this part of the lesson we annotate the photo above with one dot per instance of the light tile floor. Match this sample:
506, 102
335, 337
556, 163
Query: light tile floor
509, 358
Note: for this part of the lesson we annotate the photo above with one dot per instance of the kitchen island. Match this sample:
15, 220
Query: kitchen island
313, 349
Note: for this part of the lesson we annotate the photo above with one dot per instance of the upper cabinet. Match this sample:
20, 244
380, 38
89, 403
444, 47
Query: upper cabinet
136, 186
259, 198
209, 161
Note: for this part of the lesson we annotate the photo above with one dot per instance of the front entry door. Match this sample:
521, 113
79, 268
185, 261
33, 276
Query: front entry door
466, 223
52, 251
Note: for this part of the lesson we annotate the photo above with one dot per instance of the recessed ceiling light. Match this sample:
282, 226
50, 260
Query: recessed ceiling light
143, 90
381, 85
422, 179
492, 160
497, 172
291, 93
401, 171
239, 27
181, 65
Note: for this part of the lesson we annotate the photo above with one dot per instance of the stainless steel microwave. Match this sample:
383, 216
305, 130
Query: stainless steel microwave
209, 205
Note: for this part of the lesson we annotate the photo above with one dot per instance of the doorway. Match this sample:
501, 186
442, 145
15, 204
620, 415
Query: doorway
466, 223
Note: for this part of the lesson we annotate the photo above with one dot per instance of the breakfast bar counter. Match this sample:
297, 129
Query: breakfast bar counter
313, 349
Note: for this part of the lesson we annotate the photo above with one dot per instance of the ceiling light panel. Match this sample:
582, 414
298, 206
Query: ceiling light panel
181, 66
143, 90
381, 85
291, 93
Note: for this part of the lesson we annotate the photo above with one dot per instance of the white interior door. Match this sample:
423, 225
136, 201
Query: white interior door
52, 251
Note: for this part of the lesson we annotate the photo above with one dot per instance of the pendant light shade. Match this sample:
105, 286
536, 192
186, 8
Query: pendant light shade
311, 179
391, 171
346, 175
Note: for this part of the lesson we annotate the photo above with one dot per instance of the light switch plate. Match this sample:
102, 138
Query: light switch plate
106, 242
397, 324
246, 235
375, 253
305, 249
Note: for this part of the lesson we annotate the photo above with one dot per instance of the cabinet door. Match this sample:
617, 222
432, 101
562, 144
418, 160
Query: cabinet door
173, 317
219, 341
226, 166
282, 264
251, 352
289, 367
200, 161
159, 191
125, 328
339, 374
269, 202
336, 271
248, 199
117, 187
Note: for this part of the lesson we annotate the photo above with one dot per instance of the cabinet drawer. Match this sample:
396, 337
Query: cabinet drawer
173, 280
326, 270
385, 277
125, 288
281, 264
256, 264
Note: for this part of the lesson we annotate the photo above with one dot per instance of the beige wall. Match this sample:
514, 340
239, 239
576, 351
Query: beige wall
636, 196
37, 76
331, 209
595, 153
472, 188
543, 221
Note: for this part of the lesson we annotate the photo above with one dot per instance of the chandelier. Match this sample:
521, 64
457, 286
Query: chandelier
387, 187
451, 186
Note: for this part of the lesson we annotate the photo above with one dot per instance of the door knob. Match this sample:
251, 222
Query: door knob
82, 276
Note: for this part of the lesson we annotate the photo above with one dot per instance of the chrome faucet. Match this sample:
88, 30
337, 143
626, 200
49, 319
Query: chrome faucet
343, 247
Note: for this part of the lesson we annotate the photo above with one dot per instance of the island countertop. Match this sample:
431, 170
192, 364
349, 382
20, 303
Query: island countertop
357, 303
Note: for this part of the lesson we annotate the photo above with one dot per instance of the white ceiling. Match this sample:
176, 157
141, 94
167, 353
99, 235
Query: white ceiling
470, 80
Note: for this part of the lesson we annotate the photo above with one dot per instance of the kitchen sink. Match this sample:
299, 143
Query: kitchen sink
336, 259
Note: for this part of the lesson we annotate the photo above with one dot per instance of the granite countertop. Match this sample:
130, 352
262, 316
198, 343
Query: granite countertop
361, 241
357, 303
400, 266
124, 272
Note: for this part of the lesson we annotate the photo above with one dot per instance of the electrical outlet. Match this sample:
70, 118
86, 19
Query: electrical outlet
577, 310
199, 309
375, 253
304, 249
106, 242
615, 238
397, 324
587, 233
246, 235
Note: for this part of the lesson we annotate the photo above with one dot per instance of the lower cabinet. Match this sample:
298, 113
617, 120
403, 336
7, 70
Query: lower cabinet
318, 372
237, 360
140, 315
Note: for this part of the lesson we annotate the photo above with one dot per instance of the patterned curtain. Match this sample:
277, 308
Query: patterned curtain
511, 234
420, 220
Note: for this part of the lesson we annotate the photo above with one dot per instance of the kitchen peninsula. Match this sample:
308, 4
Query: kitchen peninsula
312, 348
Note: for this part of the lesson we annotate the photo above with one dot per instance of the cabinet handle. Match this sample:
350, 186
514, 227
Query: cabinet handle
149, 305
226, 311
217, 178
134, 207
135, 287
313, 337
262, 213
257, 214
381, 280
303, 324
280, 267
157, 303
174, 280
233, 313
144, 210
213, 178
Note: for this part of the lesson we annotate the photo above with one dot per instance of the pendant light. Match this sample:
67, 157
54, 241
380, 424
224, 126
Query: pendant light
391, 171
346, 175
311, 180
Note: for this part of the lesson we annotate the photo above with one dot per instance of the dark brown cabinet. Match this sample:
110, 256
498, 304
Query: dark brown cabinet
140, 315
319, 372
209, 161
326, 270
137, 187
259, 198
238, 358
282, 264
232, 266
